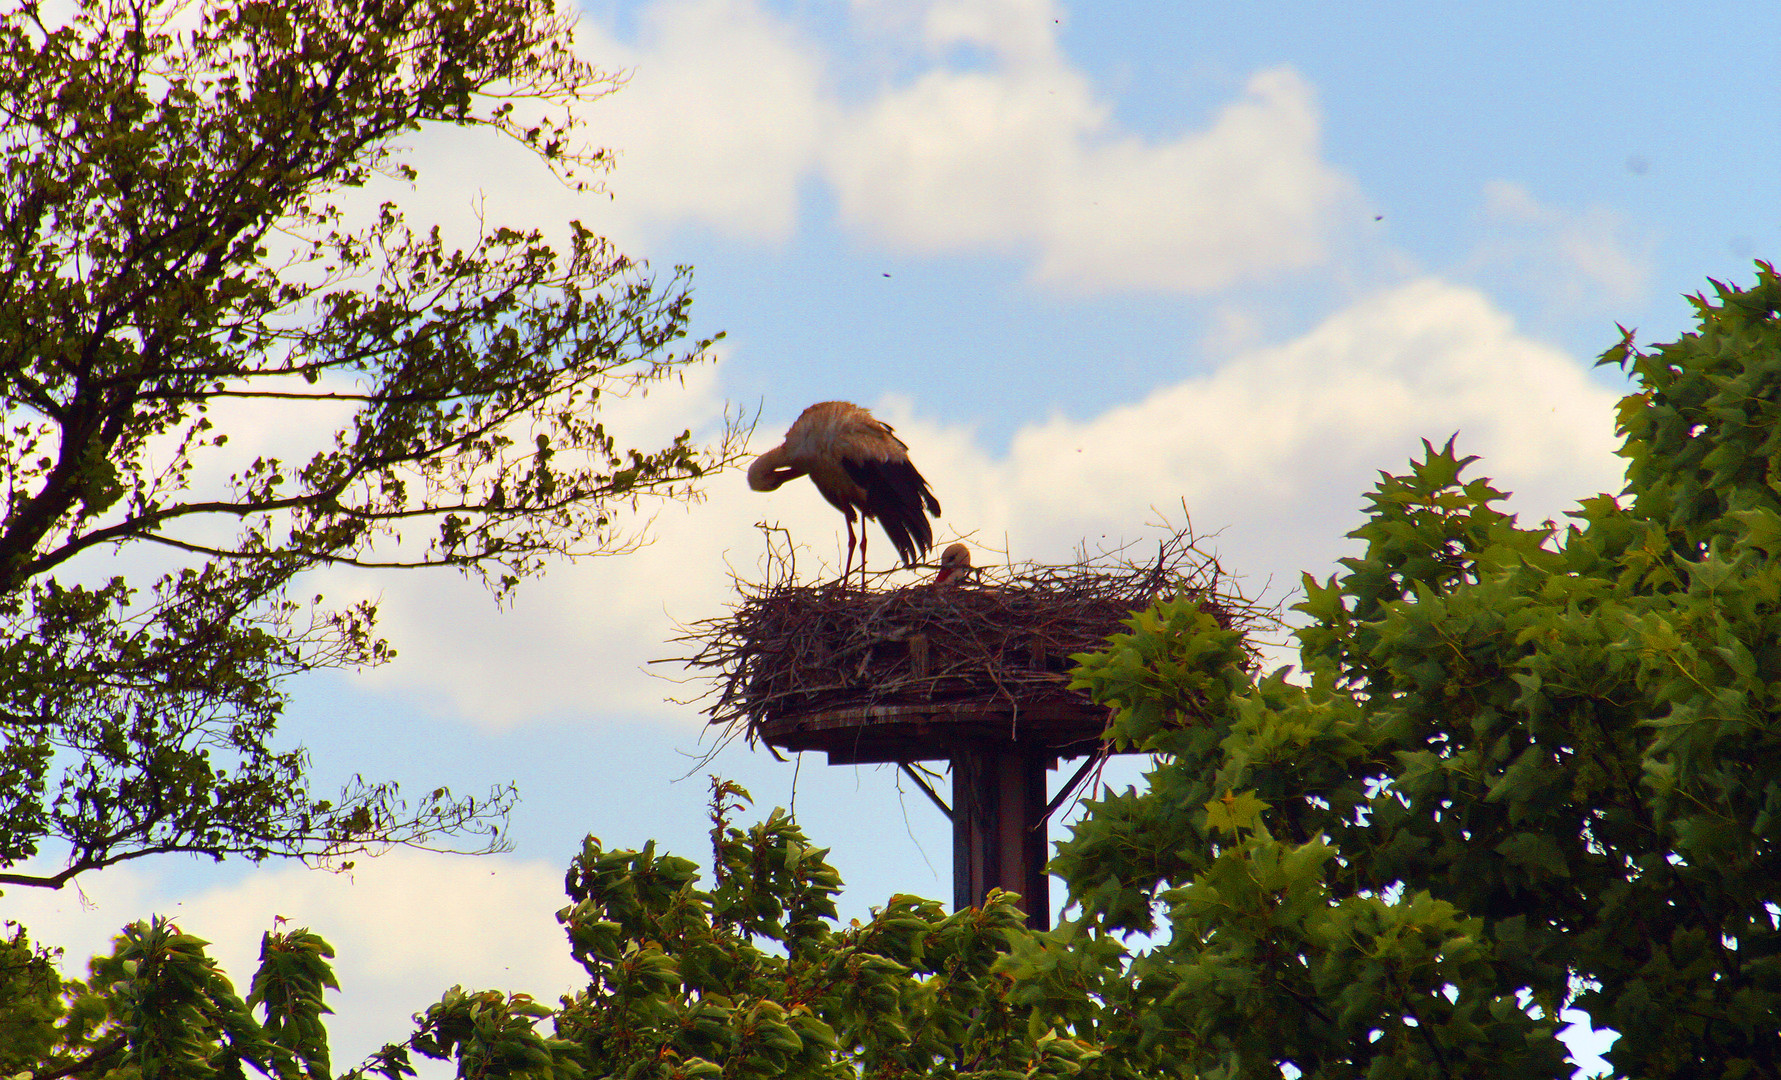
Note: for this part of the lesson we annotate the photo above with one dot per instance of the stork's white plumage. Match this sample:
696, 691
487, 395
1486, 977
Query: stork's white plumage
859, 465
955, 566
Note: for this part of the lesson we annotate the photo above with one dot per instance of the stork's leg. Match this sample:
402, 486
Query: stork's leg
863, 532
848, 568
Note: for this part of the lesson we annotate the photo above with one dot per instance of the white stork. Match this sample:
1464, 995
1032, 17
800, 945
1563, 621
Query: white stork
858, 464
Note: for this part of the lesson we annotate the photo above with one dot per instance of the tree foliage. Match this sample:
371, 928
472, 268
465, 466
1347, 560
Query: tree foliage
1531, 770
750, 979
188, 257
754, 979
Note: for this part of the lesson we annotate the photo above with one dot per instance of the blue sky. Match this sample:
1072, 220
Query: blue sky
1096, 263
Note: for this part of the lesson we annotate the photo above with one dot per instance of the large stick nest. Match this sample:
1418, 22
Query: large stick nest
1004, 638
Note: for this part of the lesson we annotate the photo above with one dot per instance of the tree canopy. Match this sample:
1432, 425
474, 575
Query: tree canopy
752, 978
1532, 769
185, 243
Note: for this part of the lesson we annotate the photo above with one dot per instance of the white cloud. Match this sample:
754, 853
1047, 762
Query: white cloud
1426, 359
717, 120
1275, 450
1248, 196
1019, 30
721, 119
1027, 157
1589, 259
731, 109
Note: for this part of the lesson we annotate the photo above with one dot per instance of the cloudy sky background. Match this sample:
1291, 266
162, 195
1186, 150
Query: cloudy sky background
1096, 265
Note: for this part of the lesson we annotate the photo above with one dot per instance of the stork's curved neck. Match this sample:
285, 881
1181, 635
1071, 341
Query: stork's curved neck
772, 469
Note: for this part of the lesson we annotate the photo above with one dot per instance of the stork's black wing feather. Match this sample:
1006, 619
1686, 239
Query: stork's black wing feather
896, 495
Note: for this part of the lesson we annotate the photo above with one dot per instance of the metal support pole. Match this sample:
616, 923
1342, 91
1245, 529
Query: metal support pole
998, 828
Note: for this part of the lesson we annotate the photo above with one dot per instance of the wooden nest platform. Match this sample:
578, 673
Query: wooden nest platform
924, 672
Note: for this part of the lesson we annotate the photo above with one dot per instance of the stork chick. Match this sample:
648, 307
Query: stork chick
955, 566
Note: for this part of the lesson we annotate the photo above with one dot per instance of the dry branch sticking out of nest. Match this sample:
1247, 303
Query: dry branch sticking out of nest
1006, 638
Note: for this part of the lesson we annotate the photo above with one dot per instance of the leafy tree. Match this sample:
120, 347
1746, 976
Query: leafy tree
177, 251
1531, 770
29, 1005
751, 979
158, 1006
